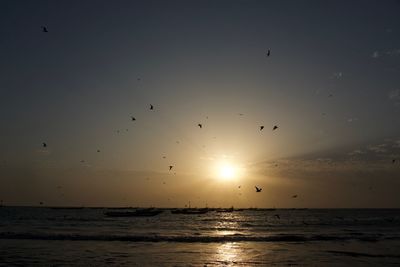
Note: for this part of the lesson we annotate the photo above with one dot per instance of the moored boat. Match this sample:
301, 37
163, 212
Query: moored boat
136, 213
189, 211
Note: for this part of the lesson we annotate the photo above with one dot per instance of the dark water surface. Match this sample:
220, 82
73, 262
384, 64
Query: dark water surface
313, 237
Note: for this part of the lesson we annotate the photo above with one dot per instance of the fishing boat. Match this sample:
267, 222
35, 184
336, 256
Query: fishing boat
136, 213
189, 211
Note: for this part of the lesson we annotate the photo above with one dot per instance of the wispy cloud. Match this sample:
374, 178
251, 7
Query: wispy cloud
393, 52
394, 95
356, 152
381, 148
337, 75
387, 53
368, 157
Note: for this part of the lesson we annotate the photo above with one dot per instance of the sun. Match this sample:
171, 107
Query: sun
226, 171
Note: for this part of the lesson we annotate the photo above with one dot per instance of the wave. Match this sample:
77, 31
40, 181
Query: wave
188, 238
358, 254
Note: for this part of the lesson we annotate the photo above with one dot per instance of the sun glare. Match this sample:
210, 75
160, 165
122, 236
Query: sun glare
226, 171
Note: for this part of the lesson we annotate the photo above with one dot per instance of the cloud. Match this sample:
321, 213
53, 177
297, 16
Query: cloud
396, 144
387, 53
394, 95
370, 157
352, 119
393, 52
337, 75
356, 152
378, 148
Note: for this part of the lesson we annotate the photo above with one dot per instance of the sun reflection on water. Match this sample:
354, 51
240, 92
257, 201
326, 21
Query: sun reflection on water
229, 253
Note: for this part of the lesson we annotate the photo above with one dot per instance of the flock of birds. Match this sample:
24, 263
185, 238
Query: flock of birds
200, 125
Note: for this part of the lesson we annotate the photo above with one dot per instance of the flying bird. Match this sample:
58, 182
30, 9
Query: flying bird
274, 128
98, 150
268, 52
133, 118
200, 125
44, 29
261, 128
258, 189
151, 107
239, 186
170, 167
44, 144
294, 196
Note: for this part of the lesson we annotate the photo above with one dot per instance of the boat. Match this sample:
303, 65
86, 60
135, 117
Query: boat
189, 211
66, 208
136, 213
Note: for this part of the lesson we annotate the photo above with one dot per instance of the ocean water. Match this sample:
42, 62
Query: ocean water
32, 236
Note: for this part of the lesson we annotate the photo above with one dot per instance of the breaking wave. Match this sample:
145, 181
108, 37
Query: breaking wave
188, 238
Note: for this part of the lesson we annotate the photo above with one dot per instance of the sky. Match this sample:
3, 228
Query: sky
331, 84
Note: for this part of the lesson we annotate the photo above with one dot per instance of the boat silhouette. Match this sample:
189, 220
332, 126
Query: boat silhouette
136, 213
190, 211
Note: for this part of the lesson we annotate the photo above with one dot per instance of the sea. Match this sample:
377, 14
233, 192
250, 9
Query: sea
44, 236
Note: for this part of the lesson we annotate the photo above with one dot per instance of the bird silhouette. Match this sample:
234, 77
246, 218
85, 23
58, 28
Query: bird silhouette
133, 118
277, 216
261, 128
294, 196
44, 29
274, 128
200, 125
44, 144
268, 52
170, 167
98, 150
239, 186
151, 107
258, 189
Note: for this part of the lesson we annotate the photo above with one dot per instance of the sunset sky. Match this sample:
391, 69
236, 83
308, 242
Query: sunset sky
331, 84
